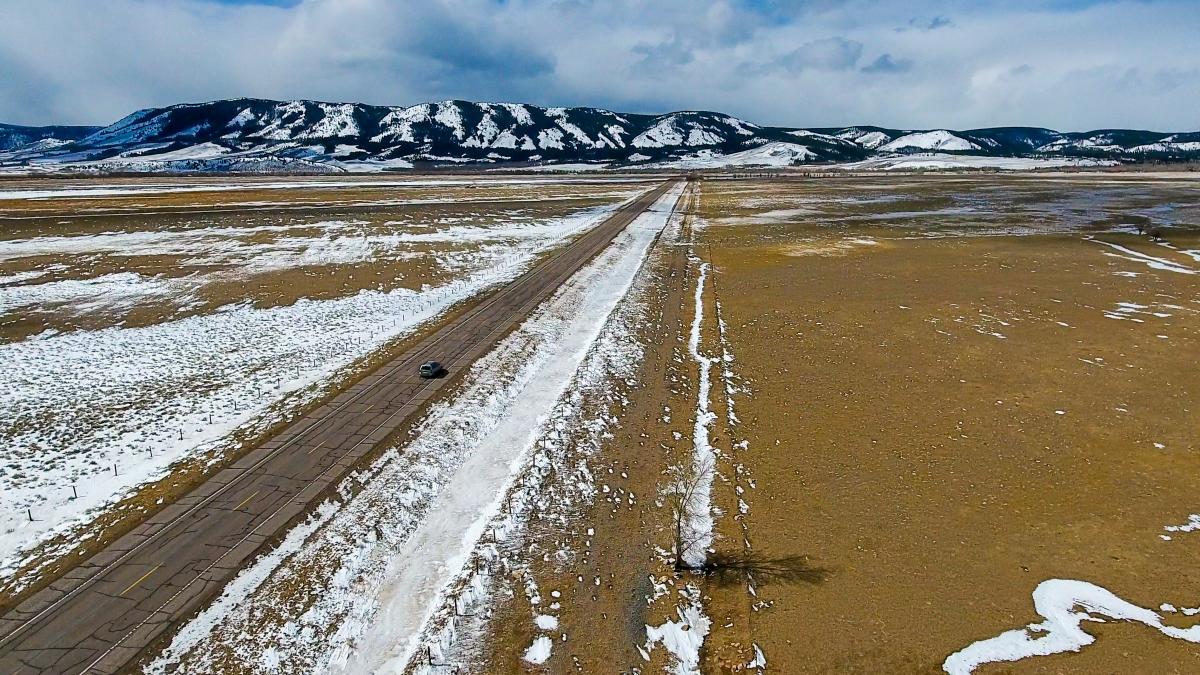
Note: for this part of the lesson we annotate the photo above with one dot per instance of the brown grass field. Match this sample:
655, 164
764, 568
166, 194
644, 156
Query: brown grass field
947, 390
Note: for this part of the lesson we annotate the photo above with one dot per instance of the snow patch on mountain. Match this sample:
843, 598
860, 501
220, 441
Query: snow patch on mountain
775, 154
930, 140
805, 133
664, 133
450, 116
519, 112
864, 138
559, 115
337, 122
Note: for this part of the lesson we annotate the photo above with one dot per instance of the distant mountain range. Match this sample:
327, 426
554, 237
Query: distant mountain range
12, 136
258, 135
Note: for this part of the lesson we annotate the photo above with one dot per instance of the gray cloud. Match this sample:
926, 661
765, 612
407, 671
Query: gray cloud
1071, 65
927, 24
674, 52
887, 64
835, 53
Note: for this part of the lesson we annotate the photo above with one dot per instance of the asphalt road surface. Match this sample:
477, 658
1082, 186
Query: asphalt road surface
99, 617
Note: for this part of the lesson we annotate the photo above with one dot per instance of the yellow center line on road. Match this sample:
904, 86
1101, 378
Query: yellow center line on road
246, 500
140, 579
315, 448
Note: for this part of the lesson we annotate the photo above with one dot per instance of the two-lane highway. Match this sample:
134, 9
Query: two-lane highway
100, 616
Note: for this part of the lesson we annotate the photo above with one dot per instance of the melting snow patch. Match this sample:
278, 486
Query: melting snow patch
539, 651
759, 661
699, 523
1055, 600
682, 638
1145, 259
1191, 525
1126, 310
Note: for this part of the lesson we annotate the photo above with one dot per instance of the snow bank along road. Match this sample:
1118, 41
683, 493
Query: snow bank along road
101, 615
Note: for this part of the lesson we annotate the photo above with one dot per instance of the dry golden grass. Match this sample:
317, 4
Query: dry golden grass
904, 428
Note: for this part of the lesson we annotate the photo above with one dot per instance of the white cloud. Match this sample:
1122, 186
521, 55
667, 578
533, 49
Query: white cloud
1068, 65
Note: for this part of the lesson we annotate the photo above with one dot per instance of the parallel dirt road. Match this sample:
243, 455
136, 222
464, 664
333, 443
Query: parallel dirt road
100, 616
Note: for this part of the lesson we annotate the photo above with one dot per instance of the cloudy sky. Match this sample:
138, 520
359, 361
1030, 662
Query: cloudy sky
1067, 64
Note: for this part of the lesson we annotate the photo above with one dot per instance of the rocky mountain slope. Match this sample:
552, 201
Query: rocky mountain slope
12, 136
262, 135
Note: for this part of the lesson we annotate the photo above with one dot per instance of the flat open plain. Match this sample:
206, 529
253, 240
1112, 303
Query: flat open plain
287, 471
790, 424
945, 390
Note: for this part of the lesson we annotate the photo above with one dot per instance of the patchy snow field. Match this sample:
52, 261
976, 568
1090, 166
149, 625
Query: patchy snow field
93, 413
92, 189
363, 587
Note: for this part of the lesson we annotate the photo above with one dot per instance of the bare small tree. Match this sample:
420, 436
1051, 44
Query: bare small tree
682, 496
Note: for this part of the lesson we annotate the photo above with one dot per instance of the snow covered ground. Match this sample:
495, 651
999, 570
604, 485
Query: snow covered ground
92, 413
437, 497
698, 525
88, 190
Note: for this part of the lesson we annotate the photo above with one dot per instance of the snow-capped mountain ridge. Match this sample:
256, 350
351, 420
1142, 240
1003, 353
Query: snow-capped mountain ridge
13, 136
257, 134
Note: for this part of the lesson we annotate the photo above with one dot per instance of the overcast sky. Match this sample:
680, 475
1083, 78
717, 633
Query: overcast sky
1066, 64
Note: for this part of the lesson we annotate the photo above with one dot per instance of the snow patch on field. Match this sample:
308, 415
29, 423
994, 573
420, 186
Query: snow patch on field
119, 291
1056, 601
91, 191
1192, 524
539, 651
698, 528
1145, 258
108, 410
326, 242
1126, 311
682, 638
828, 247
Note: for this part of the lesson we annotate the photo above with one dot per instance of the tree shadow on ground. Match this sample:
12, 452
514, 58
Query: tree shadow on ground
732, 568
